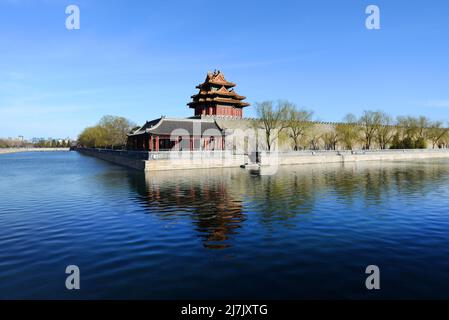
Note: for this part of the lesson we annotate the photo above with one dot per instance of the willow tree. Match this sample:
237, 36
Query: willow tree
117, 129
444, 141
111, 131
385, 131
436, 133
93, 137
298, 123
348, 132
369, 123
412, 131
273, 119
314, 138
423, 124
330, 140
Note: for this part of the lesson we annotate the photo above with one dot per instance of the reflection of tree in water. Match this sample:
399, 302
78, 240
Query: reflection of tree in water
377, 181
349, 182
214, 200
344, 182
216, 212
279, 198
421, 178
296, 190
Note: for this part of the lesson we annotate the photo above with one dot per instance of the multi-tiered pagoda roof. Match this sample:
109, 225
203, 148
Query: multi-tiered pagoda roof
216, 97
216, 100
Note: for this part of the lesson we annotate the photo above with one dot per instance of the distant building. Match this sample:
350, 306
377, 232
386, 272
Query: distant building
216, 99
36, 140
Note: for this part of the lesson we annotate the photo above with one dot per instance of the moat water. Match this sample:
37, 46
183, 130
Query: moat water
305, 232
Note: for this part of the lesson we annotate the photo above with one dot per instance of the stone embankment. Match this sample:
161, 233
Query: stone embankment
15, 150
318, 157
166, 160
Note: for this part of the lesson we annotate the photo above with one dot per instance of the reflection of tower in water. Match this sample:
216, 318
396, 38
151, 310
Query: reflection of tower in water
203, 196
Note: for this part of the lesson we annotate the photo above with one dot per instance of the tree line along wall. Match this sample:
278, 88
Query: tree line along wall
326, 136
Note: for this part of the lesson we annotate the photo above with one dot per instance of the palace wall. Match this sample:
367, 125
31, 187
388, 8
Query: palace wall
167, 161
321, 157
237, 129
159, 161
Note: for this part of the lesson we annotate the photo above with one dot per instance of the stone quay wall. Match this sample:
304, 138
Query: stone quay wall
173, 160
15, 150
130, 159
168, 160
319, 157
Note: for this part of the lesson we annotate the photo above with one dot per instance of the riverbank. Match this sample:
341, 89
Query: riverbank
318, 157
166, 160
16, 150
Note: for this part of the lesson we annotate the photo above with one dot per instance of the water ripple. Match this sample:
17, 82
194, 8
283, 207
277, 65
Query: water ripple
306, 232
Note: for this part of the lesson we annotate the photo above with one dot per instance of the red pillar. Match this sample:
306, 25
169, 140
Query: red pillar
151, 144
157, 143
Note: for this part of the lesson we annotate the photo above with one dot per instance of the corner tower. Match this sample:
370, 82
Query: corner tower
217, 97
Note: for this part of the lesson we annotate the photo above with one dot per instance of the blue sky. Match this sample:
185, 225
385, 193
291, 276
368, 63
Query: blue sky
143, 59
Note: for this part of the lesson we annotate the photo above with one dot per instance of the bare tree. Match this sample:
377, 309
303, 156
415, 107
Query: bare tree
436, 133
348, 132
423, 124
314, 140
385, 131
273, 119
369, 122
298, 122
412, 132
330, 140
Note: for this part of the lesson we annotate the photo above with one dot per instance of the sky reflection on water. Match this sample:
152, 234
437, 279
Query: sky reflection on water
306, 232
